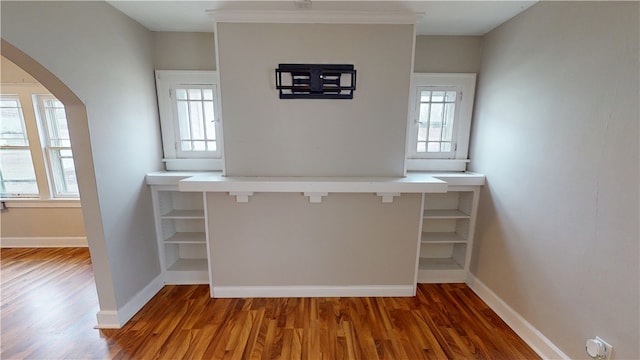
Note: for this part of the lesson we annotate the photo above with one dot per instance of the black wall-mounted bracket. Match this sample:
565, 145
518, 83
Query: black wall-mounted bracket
315, 81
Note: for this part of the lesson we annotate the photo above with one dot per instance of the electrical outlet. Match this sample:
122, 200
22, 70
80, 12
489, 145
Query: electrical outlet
599, 349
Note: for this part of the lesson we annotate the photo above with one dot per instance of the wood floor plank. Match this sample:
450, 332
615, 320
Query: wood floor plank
48, 308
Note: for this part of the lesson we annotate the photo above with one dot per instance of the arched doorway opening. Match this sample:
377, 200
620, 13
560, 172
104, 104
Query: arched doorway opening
76, 114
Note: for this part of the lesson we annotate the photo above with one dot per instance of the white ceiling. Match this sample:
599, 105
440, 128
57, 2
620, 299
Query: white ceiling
440, 17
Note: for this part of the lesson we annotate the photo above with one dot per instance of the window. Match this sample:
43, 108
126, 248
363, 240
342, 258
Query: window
440, 121
57, 145
190, 120
436, 121
195, 119
17, 176
35, 151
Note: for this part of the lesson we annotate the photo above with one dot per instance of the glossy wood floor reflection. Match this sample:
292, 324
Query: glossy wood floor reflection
49, 304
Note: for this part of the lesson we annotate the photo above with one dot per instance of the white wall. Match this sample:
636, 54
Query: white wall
184, 51
265, 135
448, 54
556, 133
282, 240
106, 59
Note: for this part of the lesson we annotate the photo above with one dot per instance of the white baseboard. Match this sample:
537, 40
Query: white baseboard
116, 319
312, 291
107, 319
532, 336
43, 242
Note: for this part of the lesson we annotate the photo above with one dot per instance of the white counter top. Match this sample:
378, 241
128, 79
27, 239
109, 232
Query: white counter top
414, 182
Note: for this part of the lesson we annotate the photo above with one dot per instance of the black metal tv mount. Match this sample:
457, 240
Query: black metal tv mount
315, 81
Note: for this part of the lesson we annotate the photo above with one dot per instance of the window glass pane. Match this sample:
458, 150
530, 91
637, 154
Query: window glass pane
435, 123
12, 129
64, 172
185, 145
437, 96
422, 147
209, 118
424, 112
433, 147
199, 145
65, 152
56, 122
69, 171
422, 132
195, 94
212, 146
450, 96
446, 147
53, 103
181, 94
17, 176
197, 117
9, 102
208, 94
425, 96
183, 121
447, 131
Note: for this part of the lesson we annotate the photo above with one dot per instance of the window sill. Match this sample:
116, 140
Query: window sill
41, 203
437, 164
193, 164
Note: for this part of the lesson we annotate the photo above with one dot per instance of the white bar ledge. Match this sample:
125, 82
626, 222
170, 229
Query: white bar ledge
387, 197
412, 183
315, 197
241, 196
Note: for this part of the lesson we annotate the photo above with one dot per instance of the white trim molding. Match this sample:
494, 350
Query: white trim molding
115, 319
532, 336
312, 291
315, 16
43, 242
41, 203
107, 319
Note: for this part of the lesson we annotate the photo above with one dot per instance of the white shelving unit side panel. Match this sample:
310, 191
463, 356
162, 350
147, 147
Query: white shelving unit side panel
158, 205
471, 201
419, 244
210, 277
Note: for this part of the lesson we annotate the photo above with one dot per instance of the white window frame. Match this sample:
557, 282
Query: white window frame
166, 83
46, 197
49, 149
25, 147
456, 160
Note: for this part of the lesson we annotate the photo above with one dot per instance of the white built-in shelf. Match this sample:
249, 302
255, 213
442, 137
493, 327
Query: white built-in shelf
442, 238
187, 238
181, 231
184, 214
445, 214
447, 234
243, 187
189, 265
439, 264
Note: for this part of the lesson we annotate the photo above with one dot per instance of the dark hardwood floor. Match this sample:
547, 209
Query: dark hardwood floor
49, 303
